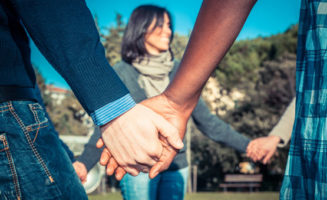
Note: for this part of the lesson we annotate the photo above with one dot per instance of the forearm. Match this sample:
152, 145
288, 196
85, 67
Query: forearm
284, 127
91, 154
65, 33
218, 24
221, 132
216, 129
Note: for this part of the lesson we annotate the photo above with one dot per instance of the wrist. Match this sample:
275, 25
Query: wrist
182, 105
183, 108
275, 138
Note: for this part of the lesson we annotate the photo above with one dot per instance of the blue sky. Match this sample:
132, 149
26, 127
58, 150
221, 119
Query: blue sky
268, 17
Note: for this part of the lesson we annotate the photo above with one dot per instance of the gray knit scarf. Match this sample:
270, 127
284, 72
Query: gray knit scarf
154, 72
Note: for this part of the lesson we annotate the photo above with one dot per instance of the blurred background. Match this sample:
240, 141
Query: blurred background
249, 89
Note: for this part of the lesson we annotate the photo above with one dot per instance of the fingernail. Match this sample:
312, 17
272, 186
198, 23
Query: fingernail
180, 144
118, 177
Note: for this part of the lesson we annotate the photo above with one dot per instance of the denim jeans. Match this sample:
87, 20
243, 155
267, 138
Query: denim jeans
33, 162
168, 185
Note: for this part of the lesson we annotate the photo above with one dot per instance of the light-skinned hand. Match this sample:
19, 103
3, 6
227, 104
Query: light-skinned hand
171, 112
81, 171
133, 140
262, 148
178, 117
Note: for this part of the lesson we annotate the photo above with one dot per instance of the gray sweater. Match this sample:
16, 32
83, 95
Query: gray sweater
209, 124
284, 127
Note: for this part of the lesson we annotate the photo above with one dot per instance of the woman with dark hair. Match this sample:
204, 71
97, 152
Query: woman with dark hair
146, 69
144, 20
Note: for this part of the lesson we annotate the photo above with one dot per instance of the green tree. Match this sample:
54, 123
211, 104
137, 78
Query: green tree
112, 41
246, 57
264, 70
178, 45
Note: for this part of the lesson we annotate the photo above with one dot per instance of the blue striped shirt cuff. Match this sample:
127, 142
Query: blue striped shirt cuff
112, 110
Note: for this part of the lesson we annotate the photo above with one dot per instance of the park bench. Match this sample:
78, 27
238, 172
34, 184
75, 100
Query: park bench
242, 181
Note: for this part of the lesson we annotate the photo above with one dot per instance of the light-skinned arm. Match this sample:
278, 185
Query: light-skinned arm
132, 138
65, 33
263, 148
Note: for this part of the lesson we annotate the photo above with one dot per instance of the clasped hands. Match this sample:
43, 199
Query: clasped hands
144, 139
148, 137
263, 148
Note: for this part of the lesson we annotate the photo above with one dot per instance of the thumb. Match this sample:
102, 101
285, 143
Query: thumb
168, 131
167, 157
268, 156
160, 166
155, 170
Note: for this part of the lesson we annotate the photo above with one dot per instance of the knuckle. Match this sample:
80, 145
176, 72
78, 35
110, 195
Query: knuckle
154, 150
144, 159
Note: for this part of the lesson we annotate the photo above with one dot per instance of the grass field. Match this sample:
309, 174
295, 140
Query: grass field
206, 196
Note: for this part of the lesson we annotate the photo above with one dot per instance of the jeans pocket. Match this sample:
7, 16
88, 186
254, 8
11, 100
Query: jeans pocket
40, 119
9, 179
31, 158
38, 112
23, 174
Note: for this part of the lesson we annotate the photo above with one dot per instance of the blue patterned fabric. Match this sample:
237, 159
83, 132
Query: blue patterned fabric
112, 110
306, 170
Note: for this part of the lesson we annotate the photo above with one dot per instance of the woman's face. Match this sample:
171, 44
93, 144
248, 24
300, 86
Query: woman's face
158, 40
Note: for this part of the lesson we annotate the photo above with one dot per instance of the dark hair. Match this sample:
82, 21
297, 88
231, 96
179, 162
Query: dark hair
134, 36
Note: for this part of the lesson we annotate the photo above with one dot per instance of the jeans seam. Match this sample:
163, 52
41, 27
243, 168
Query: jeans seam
35, 115
4, 110
12, 168
31, 144
33, 108
4, 144
37, 132
29, 129
4, 106
41, 125
37, 121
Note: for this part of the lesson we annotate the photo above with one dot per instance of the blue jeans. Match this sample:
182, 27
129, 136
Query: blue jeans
33, 162
168, 185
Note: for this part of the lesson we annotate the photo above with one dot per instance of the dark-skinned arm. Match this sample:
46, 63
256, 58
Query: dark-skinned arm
217, 26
